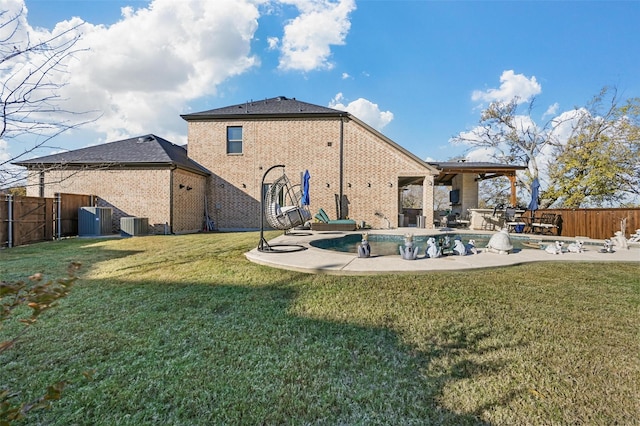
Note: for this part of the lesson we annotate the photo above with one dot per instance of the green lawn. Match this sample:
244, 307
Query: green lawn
183, 330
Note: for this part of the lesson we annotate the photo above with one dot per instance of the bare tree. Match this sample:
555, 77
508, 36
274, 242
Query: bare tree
512, 136
32, 74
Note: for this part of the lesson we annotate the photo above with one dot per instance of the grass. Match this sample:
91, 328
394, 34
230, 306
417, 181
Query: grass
183, 330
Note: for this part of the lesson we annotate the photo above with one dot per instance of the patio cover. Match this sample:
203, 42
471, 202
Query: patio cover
484, 170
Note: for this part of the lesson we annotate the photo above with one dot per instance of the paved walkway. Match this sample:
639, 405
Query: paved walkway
314, 260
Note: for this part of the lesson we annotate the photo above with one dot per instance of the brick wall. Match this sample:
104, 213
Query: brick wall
372, 167
188, 201
139, 193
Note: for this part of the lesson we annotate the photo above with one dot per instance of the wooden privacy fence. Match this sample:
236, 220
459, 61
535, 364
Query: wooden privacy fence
598, 224
25, 220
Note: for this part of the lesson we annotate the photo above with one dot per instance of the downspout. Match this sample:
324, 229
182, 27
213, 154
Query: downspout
341, 177
170, 224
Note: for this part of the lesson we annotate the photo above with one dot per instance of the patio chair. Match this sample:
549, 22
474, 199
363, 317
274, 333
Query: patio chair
325, 224
494, 220
545, 224
512, 222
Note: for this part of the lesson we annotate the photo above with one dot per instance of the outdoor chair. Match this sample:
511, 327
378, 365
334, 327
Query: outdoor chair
512, 222
494, 220
545, 224
457, 220
325, 224
289, 215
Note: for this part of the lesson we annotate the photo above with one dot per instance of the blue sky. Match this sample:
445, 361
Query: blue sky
419, 71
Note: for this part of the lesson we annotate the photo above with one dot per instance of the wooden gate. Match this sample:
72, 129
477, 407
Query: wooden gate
67, 206
26, 220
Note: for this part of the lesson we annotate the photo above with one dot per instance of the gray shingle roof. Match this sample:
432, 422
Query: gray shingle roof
147, 150
278, 106
472, 165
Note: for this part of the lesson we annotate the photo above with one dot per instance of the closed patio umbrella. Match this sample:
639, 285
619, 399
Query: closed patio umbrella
305, 188
533, 204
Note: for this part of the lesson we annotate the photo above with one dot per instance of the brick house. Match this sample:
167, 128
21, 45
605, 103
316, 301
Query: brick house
142, 177
347, 159
356, 171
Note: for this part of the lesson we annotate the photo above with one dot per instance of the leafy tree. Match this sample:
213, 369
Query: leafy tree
32, 74
600, 163
37, 295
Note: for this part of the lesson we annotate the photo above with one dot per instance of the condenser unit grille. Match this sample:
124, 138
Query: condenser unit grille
132, 226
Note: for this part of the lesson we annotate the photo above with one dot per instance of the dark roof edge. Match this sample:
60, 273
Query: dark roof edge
114, 164
463, 165
251, 116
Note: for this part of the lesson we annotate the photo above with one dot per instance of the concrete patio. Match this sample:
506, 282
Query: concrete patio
319, 261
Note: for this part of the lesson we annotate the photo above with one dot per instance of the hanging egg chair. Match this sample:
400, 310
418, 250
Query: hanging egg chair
282, 209
282, 205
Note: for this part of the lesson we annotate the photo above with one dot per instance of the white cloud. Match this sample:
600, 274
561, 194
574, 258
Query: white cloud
481, 155
273, 42
365, 110
142, 72
139, 73
345, 76
307, 40
512, 85
552, 110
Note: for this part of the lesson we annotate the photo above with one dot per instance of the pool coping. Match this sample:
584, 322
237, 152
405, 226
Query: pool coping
319, 261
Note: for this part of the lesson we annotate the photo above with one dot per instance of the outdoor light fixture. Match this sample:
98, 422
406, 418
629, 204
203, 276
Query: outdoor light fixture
189, 188
369, 184
328, 186
181, 186
244, 185
390, 185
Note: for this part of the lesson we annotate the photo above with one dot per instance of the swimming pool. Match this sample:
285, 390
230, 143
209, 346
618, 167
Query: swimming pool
387, 245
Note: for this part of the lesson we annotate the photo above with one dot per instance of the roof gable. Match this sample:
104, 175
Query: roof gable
143, 150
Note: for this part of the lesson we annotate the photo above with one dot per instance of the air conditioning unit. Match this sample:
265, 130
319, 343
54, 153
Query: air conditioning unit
94, 221
132, 226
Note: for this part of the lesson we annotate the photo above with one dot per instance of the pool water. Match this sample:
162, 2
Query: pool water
387, 245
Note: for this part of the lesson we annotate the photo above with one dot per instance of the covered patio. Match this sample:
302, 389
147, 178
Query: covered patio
463, 177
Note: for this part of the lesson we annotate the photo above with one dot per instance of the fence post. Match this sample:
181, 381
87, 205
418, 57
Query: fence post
58, 215
10, 220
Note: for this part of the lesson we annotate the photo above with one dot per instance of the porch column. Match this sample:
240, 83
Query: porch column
512, 199
427, 201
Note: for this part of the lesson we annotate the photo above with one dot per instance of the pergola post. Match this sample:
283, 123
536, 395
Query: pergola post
513, 199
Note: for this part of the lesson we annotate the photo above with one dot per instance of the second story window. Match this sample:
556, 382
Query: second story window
234, 140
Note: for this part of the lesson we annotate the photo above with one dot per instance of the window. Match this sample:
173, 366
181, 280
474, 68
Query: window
234, 140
